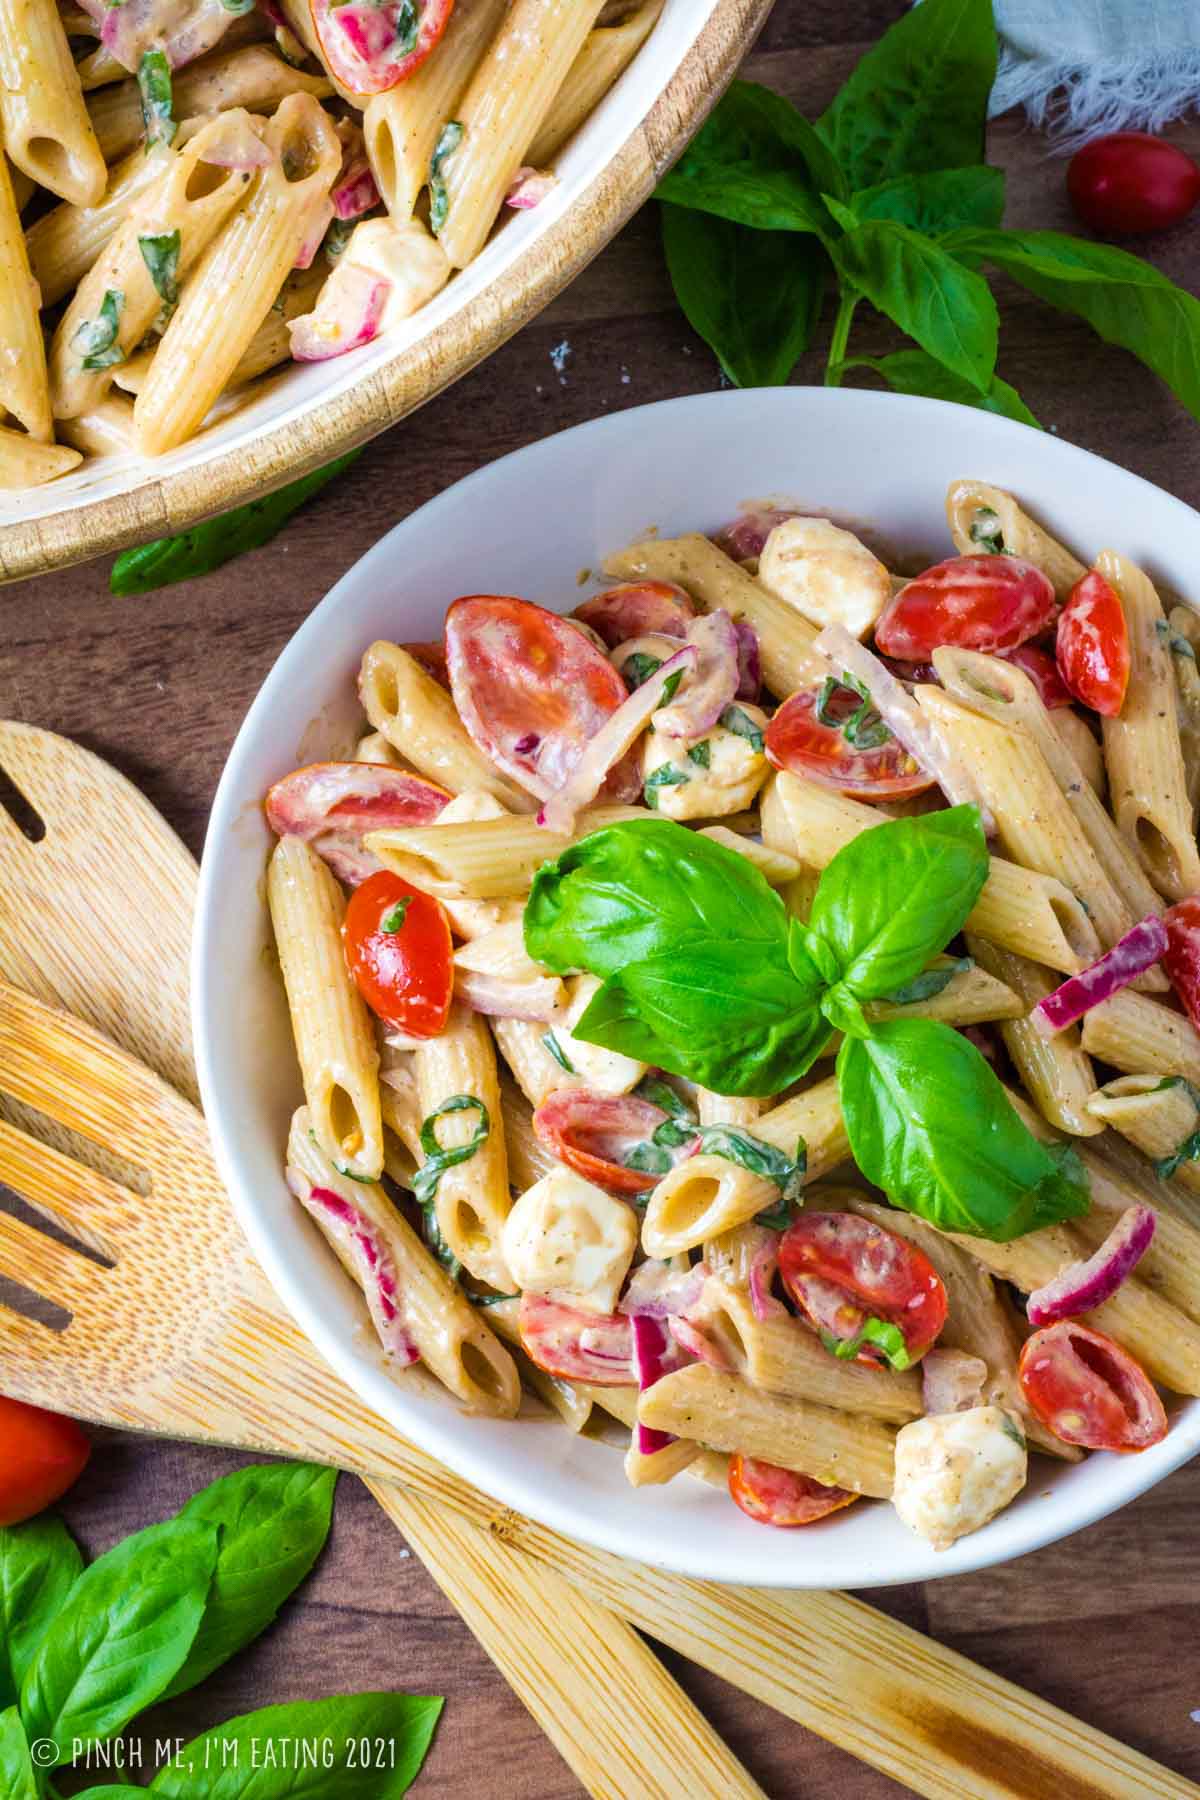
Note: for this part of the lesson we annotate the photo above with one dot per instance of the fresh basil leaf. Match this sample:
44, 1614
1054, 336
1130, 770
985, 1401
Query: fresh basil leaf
744, 165
930, 1124
918, 99
663, 1095
273, 1519
937, 201
450, 137
930, 982
154, 85
39, 1565
16, 1769
363, 1731
881, 1333
895, 895
645, 887
96, 339
120, 1791
206, 547
743, 726
664, 776
648, 1159
927, 292
752, 1153
1123, 299
841, 212
1188, 1150
701, 754
408, 29
753, 296
638, 668
844, 1011
160, 253
915, 372
671, 1134
122, 1635
556, 1050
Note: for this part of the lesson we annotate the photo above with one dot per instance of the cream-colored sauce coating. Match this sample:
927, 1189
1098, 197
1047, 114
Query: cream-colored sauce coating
735, 772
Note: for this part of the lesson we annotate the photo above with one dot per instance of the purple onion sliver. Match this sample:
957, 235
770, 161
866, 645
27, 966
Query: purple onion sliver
525, 745
1139, 949
1084, 1285
749, 661
648, 1441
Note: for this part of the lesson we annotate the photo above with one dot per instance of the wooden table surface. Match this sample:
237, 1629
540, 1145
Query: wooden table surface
1106, 1624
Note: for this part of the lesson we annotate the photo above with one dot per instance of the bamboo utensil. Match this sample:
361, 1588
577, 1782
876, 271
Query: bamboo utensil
183, 1336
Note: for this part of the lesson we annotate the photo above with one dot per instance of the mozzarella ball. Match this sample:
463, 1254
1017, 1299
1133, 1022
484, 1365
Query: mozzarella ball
955, 1471
604, 1071
567, 1237
724, 780
825, 573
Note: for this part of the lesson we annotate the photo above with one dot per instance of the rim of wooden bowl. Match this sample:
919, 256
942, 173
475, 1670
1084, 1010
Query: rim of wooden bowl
164, 504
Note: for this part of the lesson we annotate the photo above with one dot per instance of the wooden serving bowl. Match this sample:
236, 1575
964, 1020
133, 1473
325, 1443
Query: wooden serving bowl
306, 415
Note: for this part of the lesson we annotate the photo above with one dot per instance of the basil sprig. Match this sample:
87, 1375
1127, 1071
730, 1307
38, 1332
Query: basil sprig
888, 199
705, 975
881, 1333
438, 1159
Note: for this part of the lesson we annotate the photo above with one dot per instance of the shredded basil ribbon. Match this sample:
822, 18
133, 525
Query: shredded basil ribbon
666, 776
154, 85
160, 253
639, 667
743, 726
701, 754
491, 1299
439, 200
96, 339
438, 1160
864, 728
881, 1333
556, 1050
987, 532
1189, 1149
408, 29
654, 1156
393, 919
930, 982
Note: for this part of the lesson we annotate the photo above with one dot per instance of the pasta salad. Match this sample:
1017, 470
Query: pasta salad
763, 1008
194, 192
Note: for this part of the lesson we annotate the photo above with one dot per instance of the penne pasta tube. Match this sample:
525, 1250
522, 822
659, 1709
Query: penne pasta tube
1170, 1267
335, 1042
776, 865
490, 859
402, 125
522, 1043
419, 719
1084, 746
23, 189
238, 276
1056, 1070
726, 1413
785, 637
43, 120
1138, 1034
654, 1468
528, 1158
561, 1397
98, 68
472, 1199
1161, 1116
607, 52
621, 1404
253, 77
1033, 914
24, 462
270, 346
106, 430
450, 1336
1182, 643
985, 519
729, 1109
500, 113
64, 243
24, 389
971, 997
1146, 776
161, 239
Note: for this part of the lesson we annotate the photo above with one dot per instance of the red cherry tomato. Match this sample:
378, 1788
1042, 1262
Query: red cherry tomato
399, 952
842, 1270
744, 538
532, 689
1042, 671
1092, 646
776, 1496
1182, 958
41, 1455
1089, 1391
334, 805
577, 1345
432, 658
636, 608
1129, 182
368, 44
797, 740
987, 603
593, 1133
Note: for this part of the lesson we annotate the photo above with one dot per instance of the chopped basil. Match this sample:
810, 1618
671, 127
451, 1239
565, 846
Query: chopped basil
154, 84
667, 776
930, 982
881, 1333
1011, 1429
237, 7
1189, 1149
558, 1053
669, 686
393, 919
160, 253
437, 1243
742, 725
987, 531
638, 668
864, 728
344, 1169
701, 754
439, 200
491, 1299
663, 1095
408, 28
96, 339
671, 1133
337, 237
1176, 644
438, 1160
650, 1158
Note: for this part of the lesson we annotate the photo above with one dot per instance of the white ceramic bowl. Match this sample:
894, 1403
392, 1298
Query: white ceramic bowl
527, 525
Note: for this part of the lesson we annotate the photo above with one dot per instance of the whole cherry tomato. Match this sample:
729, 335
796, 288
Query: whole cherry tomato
1088, 1390
398, 950
874, 767
41, 1455
1129, 182
1092, 645
575, 1344
869, 1294
636, 608
593, 1133
986, 603
1182, 958
776, 1496
370, 45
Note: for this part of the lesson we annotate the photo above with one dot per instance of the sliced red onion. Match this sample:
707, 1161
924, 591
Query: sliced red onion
710, 688
231, 142
348, 314
1139, 949
657, 1291
951, 1380
501, 999
614, 738
692, 1337
655, 1354
745, 537
904, 718
354, 191
761, 1275
346, 1225
529, 188
314, 237
749, 661
1083, 1285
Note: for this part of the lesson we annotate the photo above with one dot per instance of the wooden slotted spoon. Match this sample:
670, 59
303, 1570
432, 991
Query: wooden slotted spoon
182, 1336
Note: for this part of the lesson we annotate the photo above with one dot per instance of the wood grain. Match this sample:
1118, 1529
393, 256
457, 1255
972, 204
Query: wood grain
1102, 1625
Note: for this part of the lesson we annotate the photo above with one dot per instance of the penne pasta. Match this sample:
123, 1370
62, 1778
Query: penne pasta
105, 430
489, 859
25, 462
561, 1397
1183, 642
65, 242
1056, 1070
24, 388
472, 1200
987, 519
1135, 1033
1161, 1116
253, 77
43, 120
1084, 746
607, 52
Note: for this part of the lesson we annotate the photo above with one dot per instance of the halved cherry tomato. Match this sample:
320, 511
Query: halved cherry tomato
333, 806
370, 45
1182, 957
593, 1133
1088, 1390
1130, 182
776, 1496
41, 1455
842, 1270
1092, 645
398, 950
797, 740
432, 658
636, 607
1042, 671
531, 690
577, 1345
744, 537
986, 603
